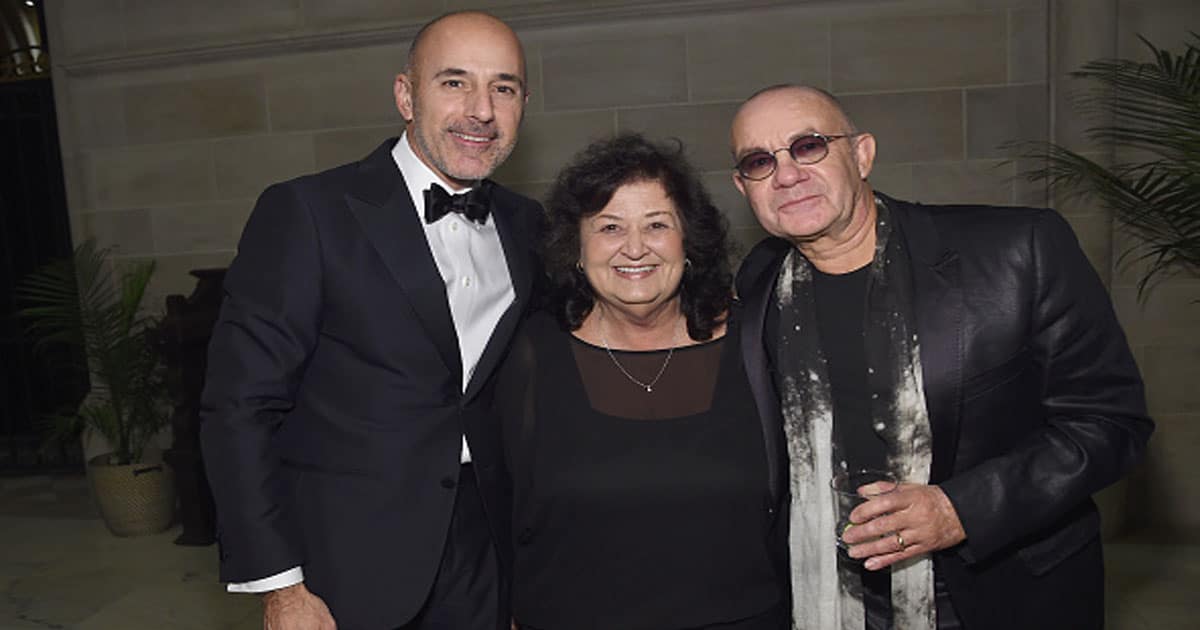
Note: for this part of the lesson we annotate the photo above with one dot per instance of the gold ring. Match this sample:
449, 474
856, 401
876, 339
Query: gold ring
900, 542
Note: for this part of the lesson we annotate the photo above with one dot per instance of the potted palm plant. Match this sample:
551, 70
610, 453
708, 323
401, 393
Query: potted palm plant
1150, 114
87, 302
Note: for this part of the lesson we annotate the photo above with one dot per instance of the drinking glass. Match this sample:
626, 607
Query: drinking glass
846, 494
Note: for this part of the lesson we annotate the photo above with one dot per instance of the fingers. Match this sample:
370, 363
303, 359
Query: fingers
877, 488
911, 506
875, 563
912, 521
874, 528
880, 500
889, 543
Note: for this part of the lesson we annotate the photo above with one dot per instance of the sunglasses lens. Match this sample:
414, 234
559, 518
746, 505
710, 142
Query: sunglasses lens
809, 149
757, 165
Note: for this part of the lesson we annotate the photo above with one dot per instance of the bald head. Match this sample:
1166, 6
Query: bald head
462, 24
805, 96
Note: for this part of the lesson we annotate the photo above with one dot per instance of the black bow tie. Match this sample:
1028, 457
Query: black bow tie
472, 204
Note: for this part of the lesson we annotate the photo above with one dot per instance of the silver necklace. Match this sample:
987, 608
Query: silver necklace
649, 387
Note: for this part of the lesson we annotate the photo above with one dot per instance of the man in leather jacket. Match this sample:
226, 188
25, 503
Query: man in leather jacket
971, 350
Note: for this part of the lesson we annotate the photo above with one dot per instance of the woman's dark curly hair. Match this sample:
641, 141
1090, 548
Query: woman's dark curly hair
587, 184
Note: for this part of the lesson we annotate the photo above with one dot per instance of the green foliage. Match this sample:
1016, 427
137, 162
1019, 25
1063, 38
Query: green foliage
1150, 112
84, 303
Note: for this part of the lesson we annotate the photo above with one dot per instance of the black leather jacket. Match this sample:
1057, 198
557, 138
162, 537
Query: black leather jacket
1034, 399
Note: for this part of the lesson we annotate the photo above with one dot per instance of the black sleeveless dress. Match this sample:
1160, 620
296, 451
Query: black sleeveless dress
636, 510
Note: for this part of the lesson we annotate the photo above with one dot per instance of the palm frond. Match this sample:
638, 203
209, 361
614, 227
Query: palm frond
84, 302
52, 314
134, 281
1149, 109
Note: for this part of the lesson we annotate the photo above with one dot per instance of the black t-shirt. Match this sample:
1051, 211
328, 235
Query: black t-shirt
841, 309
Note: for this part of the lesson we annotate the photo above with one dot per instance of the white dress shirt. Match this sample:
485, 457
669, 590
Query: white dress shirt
471, 261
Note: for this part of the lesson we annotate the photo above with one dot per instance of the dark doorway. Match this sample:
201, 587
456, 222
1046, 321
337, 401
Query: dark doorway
33, 230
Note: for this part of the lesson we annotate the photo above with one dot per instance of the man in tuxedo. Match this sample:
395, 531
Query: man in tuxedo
346, 425
970, 350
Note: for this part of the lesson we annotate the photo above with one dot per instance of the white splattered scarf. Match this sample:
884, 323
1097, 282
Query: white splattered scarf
825, 595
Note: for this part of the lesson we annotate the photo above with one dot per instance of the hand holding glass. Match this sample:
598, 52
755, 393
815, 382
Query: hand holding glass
850, 489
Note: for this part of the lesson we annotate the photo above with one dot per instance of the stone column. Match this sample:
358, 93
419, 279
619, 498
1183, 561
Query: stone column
1082, 31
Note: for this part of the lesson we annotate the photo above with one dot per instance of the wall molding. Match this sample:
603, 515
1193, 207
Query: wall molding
535, 17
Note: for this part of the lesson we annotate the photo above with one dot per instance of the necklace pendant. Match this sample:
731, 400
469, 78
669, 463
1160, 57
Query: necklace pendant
649, 387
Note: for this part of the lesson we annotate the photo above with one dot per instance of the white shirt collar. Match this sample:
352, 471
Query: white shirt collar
417, 175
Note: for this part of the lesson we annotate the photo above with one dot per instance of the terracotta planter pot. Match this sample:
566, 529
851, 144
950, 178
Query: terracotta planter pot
134, 499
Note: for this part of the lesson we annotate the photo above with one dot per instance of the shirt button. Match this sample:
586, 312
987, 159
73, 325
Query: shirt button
466, 282
453, 226
448, 482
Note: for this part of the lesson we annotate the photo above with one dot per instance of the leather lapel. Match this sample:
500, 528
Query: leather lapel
938, 310
754, 356
515, 237
381, 204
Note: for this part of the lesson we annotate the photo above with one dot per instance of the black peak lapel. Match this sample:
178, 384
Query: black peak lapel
516, 230
381, 204
759, 270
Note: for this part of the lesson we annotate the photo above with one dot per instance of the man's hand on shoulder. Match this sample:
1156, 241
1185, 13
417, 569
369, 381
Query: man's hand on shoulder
295, 608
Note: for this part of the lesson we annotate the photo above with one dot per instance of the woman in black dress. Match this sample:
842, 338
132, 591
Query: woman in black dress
636, 452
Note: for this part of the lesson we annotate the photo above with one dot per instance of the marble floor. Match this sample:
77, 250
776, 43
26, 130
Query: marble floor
60, 568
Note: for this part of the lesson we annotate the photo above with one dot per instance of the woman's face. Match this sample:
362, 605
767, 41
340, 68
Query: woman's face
632, 249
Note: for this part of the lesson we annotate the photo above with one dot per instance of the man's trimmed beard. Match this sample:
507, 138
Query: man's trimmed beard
439, 162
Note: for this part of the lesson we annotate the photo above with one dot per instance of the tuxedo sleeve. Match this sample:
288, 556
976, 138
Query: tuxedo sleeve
266, 331
1094, 424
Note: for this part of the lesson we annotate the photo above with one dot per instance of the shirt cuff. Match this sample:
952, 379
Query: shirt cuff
294, 575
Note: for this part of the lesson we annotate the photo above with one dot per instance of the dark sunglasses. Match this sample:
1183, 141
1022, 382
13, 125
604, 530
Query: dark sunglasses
807, 149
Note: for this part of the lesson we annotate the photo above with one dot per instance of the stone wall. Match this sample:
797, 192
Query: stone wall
1163, 327
174, 116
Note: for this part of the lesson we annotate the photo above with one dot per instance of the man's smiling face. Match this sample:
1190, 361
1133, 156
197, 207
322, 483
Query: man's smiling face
463, 97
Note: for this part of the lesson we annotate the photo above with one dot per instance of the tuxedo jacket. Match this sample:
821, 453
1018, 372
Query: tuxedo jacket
334, 410
1034, 402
